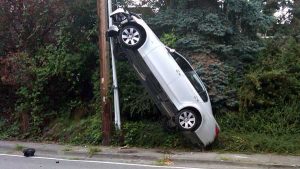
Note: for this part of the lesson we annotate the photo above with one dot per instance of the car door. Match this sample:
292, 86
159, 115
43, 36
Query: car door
181, 88
162, 65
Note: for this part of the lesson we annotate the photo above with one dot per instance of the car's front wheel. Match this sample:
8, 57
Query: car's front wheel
188, 120
132, 36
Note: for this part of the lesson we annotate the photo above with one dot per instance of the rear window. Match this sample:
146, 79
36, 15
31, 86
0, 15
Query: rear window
197, 83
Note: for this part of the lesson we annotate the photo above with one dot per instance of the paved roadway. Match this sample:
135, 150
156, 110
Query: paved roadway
11, 161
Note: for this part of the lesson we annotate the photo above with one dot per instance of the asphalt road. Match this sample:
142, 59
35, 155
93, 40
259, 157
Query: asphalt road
11, 161
20, 162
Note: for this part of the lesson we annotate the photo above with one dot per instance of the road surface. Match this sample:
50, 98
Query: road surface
11, 161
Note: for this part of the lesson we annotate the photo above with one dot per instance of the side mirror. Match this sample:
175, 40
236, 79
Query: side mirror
112, 31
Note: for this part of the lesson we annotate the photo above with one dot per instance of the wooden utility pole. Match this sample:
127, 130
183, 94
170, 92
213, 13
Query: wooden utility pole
104, 73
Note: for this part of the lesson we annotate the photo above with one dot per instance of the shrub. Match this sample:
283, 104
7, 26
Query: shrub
169, 39
275, 79
220, 81
257, 142
135, 101
83, 131
59, 82
150, 134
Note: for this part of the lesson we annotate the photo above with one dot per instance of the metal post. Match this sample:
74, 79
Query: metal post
114, 72
104, 73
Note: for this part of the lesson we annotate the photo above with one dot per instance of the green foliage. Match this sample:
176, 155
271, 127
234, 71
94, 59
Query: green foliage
55, 79
135, 101
8, 129
258, 143
19, 147
269, 119
150, 134
28, 25
220, 81
246, 16
56, 76
83, 131
50, 67
93, 150
273, 121
169, 39
275, 79
229, 31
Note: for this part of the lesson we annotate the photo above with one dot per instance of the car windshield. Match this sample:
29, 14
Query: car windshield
190, 74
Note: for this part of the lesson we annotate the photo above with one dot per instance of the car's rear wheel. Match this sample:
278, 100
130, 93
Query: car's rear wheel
188, 120
132, 36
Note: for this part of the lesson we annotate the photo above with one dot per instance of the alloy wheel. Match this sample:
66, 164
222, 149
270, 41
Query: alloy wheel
187, 120
131, 36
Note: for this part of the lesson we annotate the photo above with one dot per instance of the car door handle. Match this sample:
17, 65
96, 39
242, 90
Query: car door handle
178, 71
196, 98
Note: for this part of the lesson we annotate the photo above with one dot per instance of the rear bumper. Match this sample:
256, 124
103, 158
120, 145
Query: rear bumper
208, 131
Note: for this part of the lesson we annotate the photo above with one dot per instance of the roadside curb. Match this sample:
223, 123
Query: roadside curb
236, 163
117, 153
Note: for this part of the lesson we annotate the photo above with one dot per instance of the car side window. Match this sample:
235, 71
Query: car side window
191, 75
183, 64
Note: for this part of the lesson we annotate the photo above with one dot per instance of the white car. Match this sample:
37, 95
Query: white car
173, 84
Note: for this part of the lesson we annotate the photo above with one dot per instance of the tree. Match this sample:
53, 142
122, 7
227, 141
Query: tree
47, 59
26, 25
228, 29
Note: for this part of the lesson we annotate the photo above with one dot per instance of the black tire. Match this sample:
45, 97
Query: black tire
132, 36
188, 120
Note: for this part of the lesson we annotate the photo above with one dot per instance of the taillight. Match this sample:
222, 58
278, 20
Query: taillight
217, 131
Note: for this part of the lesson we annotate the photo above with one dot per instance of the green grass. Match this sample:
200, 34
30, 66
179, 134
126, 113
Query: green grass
19, 147
258, 143
274, 129
67, 148
75, 158
165, 161
86, 131
93, 150
224, 158
151, 134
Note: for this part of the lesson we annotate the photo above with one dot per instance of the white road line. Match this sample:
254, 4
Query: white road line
99, 162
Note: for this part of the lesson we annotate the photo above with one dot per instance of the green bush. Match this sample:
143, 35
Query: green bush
219, 79
135, 101
150, 134
214, 30
258, 143
272, 121
59, 82
83, 131
169, 39
275, 79
269, 119
8, 130
275, 129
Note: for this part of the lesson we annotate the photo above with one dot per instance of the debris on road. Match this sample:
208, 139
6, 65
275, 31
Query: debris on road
29, 152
